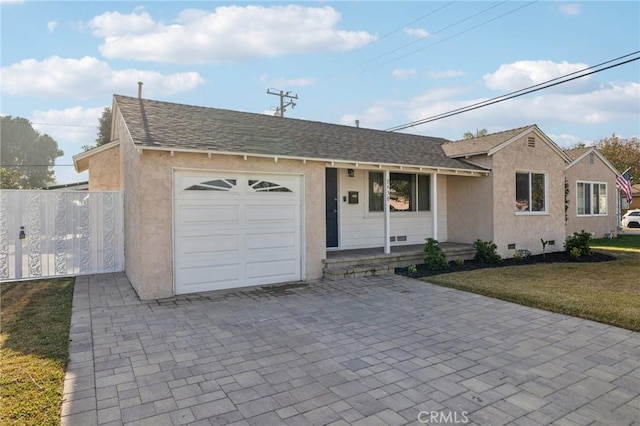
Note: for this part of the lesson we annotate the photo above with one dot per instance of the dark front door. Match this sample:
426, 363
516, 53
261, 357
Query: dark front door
331, 186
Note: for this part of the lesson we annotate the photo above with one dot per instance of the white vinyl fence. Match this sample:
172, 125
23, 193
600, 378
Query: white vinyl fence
58, 233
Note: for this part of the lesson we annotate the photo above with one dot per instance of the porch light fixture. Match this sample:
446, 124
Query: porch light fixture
350, 172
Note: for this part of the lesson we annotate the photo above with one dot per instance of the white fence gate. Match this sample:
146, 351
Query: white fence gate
58, 233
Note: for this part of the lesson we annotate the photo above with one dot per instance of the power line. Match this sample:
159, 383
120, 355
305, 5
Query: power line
518, 93
429, 35
450, 37
63, 125
400, 28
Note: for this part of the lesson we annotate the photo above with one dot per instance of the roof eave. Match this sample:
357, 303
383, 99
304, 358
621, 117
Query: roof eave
331, 161
596, 152
81, 161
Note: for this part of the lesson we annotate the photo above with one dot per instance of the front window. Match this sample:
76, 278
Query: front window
407, 192
591, 198
531, 192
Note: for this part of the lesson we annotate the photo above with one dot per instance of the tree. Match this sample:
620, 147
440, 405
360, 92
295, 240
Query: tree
104, 130
622, 153
9, 178
104, 127
27, 152
469, 135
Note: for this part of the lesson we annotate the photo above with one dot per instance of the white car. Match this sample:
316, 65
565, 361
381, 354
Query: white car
631, 219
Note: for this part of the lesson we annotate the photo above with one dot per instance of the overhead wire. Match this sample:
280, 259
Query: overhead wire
429, 35
540, 86
400, 28
448, 38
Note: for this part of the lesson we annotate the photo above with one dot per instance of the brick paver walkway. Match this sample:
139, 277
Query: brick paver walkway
368, 351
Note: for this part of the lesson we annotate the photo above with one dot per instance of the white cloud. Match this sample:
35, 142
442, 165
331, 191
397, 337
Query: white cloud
521, 74
607, 103
52, 25
76, 125
416, 32
87, 78
371, 118
116, 24
565, 140
228, 34
569, 9
403, 74
445, 74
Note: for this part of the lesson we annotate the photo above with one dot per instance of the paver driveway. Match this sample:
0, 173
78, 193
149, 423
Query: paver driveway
380, 350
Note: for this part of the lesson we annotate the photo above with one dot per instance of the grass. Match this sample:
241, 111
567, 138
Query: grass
608, 292
34, 348
629, 243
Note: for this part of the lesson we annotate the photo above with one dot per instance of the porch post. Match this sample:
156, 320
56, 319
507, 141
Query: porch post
387, 216
434, 205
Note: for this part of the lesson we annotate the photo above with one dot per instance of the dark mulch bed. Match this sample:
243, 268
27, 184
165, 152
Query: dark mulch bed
470, 265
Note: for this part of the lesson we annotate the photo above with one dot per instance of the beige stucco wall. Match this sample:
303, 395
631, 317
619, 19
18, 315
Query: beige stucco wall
154, 268
469, 208
104, 170
584, 171
526, 230
130, 184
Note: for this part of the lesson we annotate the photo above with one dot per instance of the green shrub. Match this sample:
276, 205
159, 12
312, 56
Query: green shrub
412, 269
486, 252
579, 241
434, 258
458, 261
518, 256
574, 253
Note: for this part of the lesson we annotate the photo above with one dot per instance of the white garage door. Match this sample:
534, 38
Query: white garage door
235, 230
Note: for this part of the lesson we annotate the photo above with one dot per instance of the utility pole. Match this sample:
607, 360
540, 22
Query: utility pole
282, 108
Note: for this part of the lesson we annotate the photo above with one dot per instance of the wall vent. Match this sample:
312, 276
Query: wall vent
392, 239
591, 158
552, 242
401, 238
511, 246
531, 141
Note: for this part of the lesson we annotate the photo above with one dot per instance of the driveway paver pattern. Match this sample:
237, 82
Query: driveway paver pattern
369, 351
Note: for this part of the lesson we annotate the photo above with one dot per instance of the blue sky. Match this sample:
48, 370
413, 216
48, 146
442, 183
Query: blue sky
383, 63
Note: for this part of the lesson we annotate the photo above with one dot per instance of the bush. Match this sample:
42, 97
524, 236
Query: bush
434, 258
486, 252
574, 253
580, 242
458, 261
412, 269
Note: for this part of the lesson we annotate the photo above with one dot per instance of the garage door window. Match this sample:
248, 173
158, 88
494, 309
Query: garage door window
213, 185
264, 186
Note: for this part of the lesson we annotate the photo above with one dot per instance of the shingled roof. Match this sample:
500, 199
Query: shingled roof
576, 153
481, 144
165, 125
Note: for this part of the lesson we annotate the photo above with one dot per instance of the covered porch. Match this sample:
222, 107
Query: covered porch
353, 263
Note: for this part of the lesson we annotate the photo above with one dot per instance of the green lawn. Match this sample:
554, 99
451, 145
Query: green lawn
607, 292
621, 243
34, 348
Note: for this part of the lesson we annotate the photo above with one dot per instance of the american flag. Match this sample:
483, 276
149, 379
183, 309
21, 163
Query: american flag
623, 182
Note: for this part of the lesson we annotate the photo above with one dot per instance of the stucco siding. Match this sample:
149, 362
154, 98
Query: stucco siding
360, 228
104, 170
526, 229
157, 216
130, 185
442, 208
469, 208
597, 172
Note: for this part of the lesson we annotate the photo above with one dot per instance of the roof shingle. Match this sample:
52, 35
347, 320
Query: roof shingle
481, 144
170, 125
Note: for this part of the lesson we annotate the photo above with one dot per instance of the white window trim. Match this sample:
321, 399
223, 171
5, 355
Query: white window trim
407, 214
544, 212
606, 195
